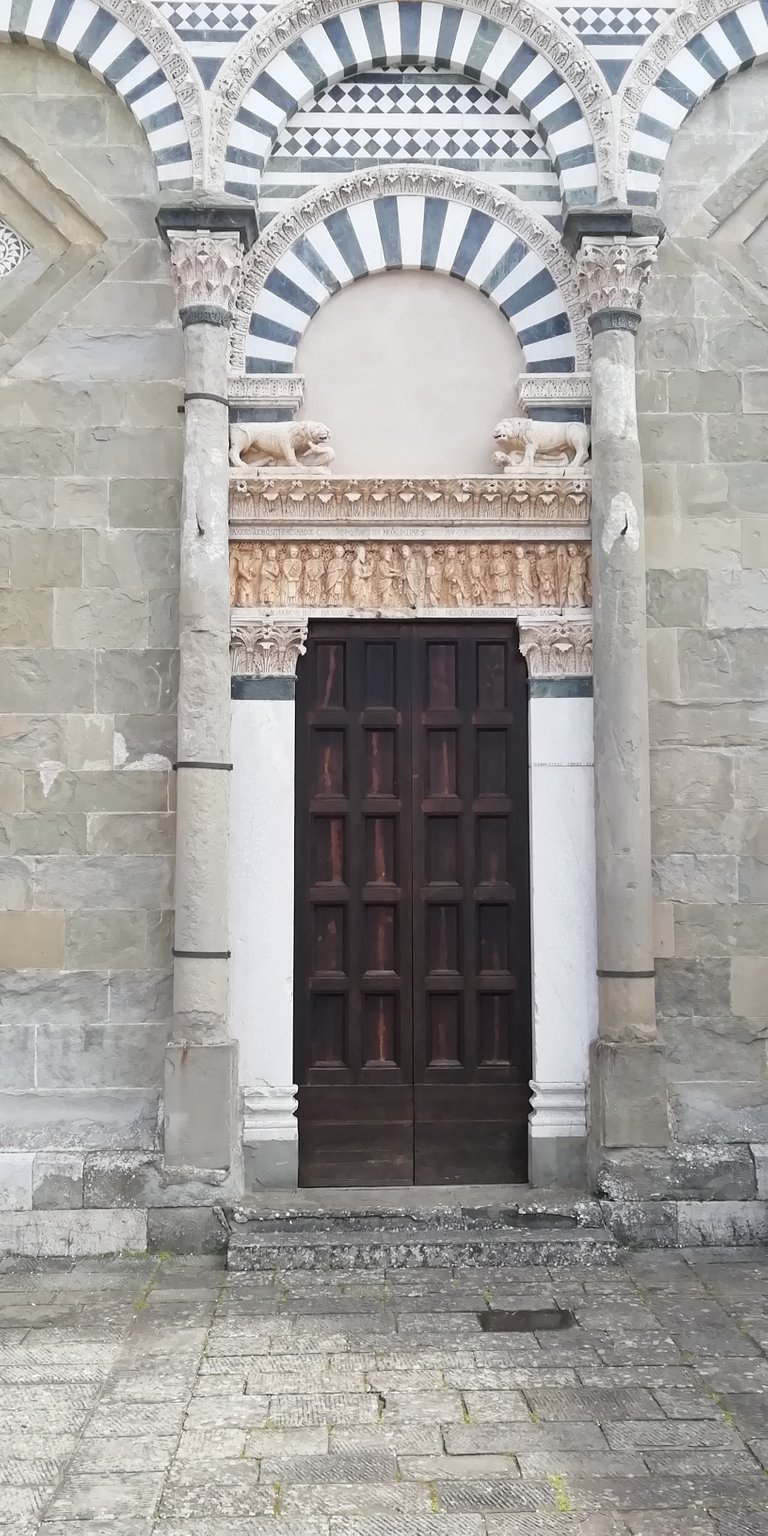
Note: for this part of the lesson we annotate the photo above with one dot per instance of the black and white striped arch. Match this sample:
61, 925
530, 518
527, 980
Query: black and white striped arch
441, 36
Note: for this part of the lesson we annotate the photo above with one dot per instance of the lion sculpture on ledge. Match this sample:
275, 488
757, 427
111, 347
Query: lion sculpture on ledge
523, 442
284, 444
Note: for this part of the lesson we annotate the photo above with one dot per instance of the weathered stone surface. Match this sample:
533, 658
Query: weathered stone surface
48, 997
139, 503
100, 619
729, 1111
728, 665
749, 987
691, 776
57, 1181
137, 559
700, 878
116, 451
106, 940
733, 438
141, 996
76, 1121
132, 833
16, 1181
31, 939
26, 618
35, 681
693, 1172
199, 1105
100, 1056
70, 1234
629, 1084
118, 881
134, 683
677, 599
89, 790
79, 502
722, 1223
704, 391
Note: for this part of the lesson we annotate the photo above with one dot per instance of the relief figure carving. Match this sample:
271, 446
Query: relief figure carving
524, 442
284, 444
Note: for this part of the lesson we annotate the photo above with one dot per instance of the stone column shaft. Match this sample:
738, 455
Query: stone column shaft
206, 245
614, 270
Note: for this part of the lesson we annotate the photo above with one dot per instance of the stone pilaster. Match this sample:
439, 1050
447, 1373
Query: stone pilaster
206, 240
615, 251
264, 653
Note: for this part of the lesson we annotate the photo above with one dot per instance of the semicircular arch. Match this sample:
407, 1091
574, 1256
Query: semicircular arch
686, 58
524, 53
427, 220
128, 45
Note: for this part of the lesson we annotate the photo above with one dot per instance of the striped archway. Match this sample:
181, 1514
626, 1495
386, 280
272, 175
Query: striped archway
427, 220
682, 62
128, 45
534, 61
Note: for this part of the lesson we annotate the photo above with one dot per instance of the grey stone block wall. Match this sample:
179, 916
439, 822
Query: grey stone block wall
703, 391
91, 378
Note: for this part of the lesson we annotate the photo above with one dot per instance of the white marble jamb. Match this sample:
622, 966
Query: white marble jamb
261, 889
562, 911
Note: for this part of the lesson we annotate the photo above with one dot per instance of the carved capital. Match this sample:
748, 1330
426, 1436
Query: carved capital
267, 647
557, 650
613, 276
207, 272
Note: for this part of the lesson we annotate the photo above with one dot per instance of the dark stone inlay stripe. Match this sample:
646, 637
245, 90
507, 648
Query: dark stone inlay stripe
263, 688
385, 210
435, 210
560, 687
705, 55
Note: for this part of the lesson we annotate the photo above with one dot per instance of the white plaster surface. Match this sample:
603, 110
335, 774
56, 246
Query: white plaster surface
261, 892
563, 910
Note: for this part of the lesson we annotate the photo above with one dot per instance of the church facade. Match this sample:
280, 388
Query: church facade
383, 609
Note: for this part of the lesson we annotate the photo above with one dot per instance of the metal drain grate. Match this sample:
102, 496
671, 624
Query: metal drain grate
527, 1320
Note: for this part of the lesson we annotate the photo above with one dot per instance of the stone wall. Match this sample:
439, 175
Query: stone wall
703, 393
90, 460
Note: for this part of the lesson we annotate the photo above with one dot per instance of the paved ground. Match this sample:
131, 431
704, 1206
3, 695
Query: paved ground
165, 1398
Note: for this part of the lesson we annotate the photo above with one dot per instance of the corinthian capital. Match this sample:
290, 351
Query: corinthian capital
267, 647
207, 237
613, 275
207, 271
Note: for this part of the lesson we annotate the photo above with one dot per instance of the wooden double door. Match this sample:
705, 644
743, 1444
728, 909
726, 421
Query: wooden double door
412, 986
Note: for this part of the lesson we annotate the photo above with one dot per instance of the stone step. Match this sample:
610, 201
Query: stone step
376, 1250
354, 1230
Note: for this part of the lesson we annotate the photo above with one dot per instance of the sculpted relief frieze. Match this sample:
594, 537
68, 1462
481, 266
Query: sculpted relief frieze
383, 576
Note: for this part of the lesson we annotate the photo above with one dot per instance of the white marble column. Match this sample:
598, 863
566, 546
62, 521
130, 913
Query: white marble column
261, 894
562, 845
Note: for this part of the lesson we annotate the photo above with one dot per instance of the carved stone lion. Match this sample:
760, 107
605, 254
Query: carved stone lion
535, 440
290, 444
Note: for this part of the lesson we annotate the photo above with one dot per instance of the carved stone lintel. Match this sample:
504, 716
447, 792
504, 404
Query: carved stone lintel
267, 391
267, 648
558, 649
409, 180
385, 576
533, 497
269, 1113
206, 268
614, 273
555, 389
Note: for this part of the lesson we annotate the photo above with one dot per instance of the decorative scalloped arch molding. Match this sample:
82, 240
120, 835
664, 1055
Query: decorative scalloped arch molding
128, 45
417, 218
694, 50
516, 47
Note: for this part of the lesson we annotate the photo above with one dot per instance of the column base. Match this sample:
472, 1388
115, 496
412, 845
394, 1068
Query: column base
200, 1103
557, 1135
270, 1138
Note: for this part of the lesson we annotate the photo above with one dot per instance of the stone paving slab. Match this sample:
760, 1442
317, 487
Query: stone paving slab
169, 1398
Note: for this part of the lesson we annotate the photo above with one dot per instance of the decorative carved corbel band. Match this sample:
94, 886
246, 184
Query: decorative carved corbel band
267, 647
613, 275
557, 649
531, 497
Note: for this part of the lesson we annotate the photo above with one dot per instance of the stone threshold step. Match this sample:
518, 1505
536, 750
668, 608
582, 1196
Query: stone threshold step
249, 1248
462, 1208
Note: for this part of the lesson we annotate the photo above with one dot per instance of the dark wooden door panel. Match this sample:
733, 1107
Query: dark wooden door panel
472, 1051
353, 952
412, 951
